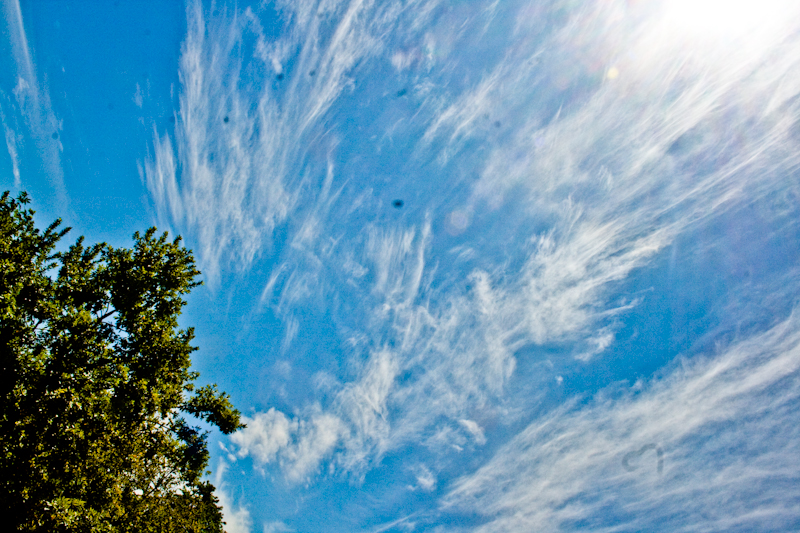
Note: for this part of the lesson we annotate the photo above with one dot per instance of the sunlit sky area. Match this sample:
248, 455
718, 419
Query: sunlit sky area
469, 265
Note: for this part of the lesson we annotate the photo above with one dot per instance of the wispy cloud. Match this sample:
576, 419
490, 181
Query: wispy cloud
31, 103
720, 429
235, 515
11, 145
541, 168
249, 133
276, 527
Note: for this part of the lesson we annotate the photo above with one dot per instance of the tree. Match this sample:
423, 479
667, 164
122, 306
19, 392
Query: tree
95, 385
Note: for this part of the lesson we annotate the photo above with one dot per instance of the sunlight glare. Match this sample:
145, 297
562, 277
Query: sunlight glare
728, 18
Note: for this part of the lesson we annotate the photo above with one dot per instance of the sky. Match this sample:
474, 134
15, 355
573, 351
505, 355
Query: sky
469, 265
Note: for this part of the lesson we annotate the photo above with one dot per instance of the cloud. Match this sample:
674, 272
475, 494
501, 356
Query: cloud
237, 518
11, 146
572, 181
31, 103
426, 480
316, 438
363, 404
266, 434
241, 145
298, 445
301, 445
474, 429
160, 177
276, 527
721, 429
235, 515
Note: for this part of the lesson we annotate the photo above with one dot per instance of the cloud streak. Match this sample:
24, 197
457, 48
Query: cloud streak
236, 517
725, 441
30, 106
244, 128
609, 211
543, 164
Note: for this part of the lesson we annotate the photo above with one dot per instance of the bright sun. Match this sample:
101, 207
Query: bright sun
729, 18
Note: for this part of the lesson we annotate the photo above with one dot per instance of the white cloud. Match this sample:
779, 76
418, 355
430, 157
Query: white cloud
426, 480
315, 441
363, 404
236, 517
474, 429
243, 150
586, 187
11, 146
398, 259
32, 105
266, 434
276, 527
138, 99
235, 514
298, 445
723, 427
159, 174
361, 426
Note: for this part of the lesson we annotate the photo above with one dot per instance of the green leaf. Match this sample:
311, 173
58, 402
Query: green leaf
94, 372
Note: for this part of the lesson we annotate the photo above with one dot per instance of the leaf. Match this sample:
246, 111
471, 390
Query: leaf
94, 372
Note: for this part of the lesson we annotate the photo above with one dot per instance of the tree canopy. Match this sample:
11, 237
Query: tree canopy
95, 385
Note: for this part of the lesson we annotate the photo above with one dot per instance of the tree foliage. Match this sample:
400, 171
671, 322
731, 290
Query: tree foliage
94, 382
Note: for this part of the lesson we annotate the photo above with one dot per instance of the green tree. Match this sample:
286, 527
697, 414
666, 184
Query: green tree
95, 384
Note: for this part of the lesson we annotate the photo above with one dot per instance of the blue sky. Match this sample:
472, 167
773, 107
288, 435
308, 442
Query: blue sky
518, 266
